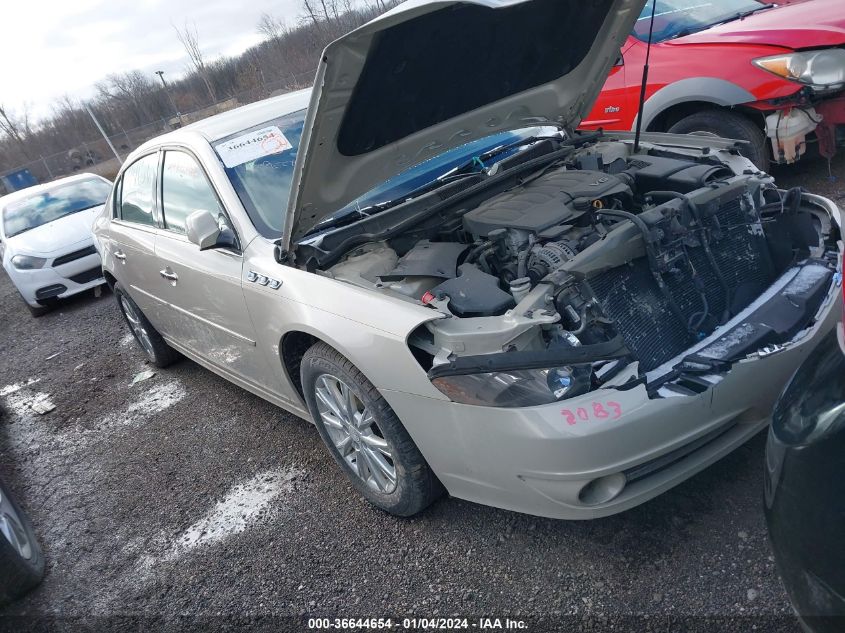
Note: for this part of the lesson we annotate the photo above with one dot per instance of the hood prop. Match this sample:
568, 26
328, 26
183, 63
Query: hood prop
645, 80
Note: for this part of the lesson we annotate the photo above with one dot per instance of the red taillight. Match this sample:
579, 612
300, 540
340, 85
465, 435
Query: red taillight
427, 298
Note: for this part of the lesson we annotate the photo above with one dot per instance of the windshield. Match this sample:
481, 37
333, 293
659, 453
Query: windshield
48, 206
259, 163
416, 177
675, 18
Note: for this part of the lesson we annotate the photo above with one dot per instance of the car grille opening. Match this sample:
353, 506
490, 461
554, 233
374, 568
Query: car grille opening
72, 257
89, 275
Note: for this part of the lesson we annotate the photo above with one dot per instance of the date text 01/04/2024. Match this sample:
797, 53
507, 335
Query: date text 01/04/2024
417, 624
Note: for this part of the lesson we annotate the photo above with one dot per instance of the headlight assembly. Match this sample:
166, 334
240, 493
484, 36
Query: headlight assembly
26, 262
823, 69
517, 388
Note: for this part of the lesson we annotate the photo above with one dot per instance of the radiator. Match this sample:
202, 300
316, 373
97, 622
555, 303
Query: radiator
630, 296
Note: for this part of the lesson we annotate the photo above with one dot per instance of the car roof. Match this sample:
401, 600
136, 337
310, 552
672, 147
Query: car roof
47, 186
227, 123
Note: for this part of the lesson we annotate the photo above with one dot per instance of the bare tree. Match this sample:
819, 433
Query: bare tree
190, 41
271, 27
332, 6
275, 31
10, 126
308, 5
134, 102
130, 97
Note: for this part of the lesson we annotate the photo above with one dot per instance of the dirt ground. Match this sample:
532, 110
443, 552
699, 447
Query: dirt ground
184, 501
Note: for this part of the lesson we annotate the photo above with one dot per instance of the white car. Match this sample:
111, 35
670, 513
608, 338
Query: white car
46, 244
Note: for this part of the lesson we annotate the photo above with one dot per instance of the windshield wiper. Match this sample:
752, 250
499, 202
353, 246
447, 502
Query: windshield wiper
457, 173
741, 15
463, 170
353, 215
478, 161
689, 31
98, 204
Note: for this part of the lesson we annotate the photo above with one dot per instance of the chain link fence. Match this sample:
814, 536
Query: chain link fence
96, 156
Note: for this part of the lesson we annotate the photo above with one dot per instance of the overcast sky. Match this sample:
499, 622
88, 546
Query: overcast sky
53, 47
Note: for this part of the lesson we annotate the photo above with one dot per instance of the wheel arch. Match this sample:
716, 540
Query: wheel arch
110, 279
365, 348
292, 348
693, 94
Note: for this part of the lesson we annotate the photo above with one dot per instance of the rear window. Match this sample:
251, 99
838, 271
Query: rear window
47, 206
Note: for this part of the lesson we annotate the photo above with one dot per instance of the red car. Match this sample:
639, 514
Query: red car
773, 75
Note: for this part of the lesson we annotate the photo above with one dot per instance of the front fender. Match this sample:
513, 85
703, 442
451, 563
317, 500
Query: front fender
368, 328
100, 229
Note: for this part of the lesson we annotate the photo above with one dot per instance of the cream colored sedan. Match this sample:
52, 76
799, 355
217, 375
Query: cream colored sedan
423, 257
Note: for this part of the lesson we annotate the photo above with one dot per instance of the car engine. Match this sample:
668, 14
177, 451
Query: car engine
605, 257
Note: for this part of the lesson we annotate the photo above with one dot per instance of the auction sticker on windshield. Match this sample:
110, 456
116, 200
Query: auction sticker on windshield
253, 145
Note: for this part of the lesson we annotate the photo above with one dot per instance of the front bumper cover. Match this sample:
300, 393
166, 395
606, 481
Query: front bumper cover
562, 460
75, 276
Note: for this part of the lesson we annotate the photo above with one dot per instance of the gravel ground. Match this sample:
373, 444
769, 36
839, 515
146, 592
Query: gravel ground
183, 495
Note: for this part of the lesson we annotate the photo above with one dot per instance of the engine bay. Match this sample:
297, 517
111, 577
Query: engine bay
608, 263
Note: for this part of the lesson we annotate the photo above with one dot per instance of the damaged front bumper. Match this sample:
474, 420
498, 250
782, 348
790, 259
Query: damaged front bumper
831, 131
788, 129
614, 448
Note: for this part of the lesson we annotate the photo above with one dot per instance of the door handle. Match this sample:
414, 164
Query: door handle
120, 255
169, 275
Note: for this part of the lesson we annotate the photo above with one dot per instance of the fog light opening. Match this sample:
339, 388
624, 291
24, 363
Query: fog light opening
602, 490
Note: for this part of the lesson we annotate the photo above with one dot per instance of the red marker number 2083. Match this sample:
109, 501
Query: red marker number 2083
595, 411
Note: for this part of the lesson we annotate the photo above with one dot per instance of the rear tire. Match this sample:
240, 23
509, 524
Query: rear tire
21, 558
158, 352
370, 445
727, 124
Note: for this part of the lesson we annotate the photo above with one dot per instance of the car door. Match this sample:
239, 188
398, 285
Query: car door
132, 235
203, 289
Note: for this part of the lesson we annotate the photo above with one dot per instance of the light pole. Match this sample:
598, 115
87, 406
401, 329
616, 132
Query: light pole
103, 132
160, 74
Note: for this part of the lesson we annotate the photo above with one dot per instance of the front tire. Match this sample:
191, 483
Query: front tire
727, 124
158, 352
39, 311
365, 436
21, 559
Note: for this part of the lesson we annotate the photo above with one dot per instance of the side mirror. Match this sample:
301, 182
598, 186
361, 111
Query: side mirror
202, 229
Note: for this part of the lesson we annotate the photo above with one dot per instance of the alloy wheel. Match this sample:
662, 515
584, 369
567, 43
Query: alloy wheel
355, 433
12, 529
137, 326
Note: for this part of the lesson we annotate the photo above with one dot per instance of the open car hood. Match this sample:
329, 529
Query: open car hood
431, 75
